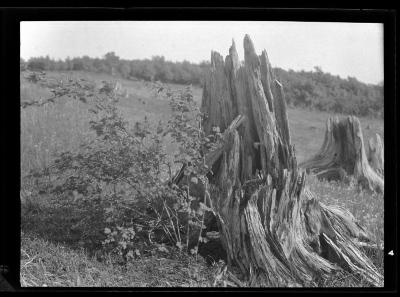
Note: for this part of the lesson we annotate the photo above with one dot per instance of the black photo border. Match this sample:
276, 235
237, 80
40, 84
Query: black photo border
10, 19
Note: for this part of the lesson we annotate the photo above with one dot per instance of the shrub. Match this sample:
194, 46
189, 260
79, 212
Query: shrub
117, 183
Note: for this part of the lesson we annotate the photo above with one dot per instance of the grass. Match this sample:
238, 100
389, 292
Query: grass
367, 207
53, 254
48, 264
51, 251
64, 126
49, 129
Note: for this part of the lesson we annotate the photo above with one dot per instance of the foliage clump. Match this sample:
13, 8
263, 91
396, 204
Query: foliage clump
120, 182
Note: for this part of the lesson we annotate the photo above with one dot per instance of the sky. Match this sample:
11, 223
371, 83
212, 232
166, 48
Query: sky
344, 49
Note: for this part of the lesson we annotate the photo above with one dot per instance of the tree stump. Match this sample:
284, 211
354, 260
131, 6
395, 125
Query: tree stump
271, 226
375, 154
342, 153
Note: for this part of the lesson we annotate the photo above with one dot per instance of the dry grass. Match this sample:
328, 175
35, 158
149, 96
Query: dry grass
46, 264
49, 129
367, 207
63, 126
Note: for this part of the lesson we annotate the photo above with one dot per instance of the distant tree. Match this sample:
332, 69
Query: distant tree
124, 69
37, 64
167, 73
77, 64
318, 69
68, 63
22, 64
99, 65
87, 63
112, 61
159, 67
146, 70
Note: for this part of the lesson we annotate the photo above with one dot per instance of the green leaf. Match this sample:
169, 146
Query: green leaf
129, 254
162, 248
193, 251
109, 209
203, 239
123, 244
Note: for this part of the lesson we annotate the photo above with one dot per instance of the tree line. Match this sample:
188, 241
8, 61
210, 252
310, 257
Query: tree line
308, 89
326, 92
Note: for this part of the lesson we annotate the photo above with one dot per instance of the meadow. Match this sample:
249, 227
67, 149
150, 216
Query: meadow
51, 257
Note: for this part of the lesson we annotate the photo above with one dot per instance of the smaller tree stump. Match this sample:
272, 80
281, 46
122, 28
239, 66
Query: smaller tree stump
342, 153
375, 154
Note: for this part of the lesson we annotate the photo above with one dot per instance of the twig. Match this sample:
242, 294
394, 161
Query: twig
171, 221
30, 261
202, 218
188, 226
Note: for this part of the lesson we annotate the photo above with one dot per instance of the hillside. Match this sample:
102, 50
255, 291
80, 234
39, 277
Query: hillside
308, 89
307, 127
58, 239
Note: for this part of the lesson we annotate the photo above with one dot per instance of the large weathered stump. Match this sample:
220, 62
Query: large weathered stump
343, 152
271, 226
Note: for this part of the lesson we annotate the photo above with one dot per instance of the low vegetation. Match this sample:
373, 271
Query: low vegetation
47, 263
97, 205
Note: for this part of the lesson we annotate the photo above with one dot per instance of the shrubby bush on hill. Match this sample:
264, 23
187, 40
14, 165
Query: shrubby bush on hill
309, 89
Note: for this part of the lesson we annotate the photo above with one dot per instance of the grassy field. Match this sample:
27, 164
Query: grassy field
63, 126
49, 260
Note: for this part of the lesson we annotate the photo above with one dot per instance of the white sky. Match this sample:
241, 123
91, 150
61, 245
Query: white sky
344, 49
